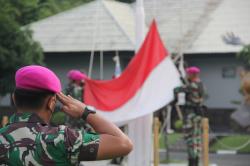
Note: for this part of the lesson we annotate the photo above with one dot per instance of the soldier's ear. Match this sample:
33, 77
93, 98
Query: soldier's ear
13, 98
51, 103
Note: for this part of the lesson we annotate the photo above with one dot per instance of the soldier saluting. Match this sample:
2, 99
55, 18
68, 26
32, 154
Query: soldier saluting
193, 109
75, 89
29, 139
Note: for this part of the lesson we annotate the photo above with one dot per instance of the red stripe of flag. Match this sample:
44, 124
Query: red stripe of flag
110, 95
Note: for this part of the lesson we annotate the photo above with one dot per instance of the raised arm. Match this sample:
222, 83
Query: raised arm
113, 142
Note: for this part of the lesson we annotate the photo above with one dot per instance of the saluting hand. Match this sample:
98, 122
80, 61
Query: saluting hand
71, 106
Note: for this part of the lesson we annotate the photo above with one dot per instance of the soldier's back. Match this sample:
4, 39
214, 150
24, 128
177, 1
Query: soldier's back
29, 142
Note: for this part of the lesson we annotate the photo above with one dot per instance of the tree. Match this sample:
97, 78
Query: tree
244, 54
27, 11
16, 47
127, 1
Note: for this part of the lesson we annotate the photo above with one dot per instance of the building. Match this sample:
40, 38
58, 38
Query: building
194, 28
69, 38
215, 48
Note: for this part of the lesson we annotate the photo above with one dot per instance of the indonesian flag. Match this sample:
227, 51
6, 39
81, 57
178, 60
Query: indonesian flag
144, 86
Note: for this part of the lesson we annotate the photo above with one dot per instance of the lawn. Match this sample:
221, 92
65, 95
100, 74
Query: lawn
231, 141
172, 139
172, 161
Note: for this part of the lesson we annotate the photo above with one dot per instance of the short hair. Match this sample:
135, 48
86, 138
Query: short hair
30, 99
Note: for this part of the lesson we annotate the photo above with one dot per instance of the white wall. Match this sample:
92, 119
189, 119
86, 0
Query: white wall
61, 63
221, 91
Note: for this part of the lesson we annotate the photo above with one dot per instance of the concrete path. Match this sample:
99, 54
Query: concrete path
106, 163
96, 163
215, 160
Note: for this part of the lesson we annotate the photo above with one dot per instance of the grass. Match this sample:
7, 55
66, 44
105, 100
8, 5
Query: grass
172, 139
172, 161
231, 141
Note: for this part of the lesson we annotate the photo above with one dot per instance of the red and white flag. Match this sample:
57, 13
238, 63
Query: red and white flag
144, 86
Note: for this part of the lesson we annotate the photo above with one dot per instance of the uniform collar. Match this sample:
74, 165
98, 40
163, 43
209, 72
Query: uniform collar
26, 117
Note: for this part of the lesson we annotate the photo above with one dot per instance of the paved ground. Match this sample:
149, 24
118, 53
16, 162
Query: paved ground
101, 163
180, 157
216, 159
104, 163
95, 163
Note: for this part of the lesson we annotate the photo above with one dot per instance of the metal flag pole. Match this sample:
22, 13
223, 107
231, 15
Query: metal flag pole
96, 23
140, 129
101, 48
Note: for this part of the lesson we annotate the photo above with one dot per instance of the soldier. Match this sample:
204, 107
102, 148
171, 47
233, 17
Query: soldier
192, 119
75, 89
76, 84
28, 139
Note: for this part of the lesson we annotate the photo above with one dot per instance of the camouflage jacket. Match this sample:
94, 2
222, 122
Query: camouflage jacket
27, 140
195, 94
75, 91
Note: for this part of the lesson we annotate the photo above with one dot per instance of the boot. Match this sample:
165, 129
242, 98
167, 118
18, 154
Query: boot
191, 162
196, 161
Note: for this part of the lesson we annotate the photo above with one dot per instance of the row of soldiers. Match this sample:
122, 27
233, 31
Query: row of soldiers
192, 109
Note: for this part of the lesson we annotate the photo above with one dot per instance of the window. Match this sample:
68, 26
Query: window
229, 72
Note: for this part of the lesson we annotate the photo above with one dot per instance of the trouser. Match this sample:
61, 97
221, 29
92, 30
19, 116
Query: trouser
193, 161
192, 130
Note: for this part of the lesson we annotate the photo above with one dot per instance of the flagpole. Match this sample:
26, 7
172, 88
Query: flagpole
140, 129
139, 24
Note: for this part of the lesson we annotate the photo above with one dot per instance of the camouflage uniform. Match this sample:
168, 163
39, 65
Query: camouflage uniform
77, 93
193, 134
195, 91
27, 140
192, 120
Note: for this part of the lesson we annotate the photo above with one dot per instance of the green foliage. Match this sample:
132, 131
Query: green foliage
244, 54
27, 11
17, 48
50, 7
232, 142
127, 1
172, 139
